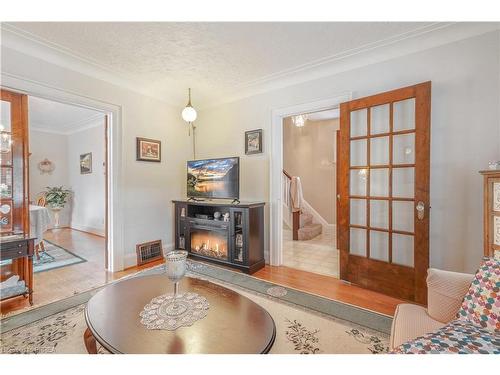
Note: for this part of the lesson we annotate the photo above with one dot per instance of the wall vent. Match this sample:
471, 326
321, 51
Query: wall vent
149, 252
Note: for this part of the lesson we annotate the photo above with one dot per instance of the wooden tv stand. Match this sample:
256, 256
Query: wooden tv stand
237, 242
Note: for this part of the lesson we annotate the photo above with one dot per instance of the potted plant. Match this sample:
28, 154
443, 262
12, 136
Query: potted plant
56, 198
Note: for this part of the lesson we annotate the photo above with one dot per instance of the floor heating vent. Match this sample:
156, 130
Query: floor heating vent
149, 252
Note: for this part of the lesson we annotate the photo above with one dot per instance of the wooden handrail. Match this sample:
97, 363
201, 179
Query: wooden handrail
295, 215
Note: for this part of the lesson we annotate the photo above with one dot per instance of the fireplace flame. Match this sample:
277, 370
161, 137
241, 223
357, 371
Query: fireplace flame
209, 244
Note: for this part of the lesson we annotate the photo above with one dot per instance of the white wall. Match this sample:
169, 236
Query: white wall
55, 148
465, 133
147, 188
89, 190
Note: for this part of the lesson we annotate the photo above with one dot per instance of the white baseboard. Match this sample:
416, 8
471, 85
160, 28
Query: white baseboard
83, 228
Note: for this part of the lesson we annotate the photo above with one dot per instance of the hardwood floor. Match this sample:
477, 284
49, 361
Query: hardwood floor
60, 283
329, 287
64, 282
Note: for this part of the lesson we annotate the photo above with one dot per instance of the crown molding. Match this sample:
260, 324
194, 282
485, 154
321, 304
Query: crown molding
426, 37
41, 129
33, 45
89, 123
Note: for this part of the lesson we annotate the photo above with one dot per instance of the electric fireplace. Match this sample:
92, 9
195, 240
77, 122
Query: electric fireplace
224, 233
209, 242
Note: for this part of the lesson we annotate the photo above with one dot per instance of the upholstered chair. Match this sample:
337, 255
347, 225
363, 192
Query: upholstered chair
445, 293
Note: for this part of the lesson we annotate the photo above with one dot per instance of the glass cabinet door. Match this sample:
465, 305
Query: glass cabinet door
237, 235
14, 203
6, 196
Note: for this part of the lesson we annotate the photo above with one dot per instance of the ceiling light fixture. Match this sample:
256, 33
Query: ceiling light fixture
299, 120
189, 115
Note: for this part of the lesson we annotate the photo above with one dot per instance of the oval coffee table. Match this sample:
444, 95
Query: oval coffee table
234, 324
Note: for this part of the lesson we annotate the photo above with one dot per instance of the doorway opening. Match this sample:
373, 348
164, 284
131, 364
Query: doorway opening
68, 196
309, 192
277, 186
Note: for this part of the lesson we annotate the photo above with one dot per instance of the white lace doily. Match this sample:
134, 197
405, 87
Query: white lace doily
161, 313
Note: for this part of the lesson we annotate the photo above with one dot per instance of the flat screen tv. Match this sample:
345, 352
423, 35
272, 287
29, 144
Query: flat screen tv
214, 178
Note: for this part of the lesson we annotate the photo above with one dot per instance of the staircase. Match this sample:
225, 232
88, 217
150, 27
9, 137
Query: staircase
307, 229
303, 227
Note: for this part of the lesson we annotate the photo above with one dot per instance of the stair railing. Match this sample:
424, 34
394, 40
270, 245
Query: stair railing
287, 180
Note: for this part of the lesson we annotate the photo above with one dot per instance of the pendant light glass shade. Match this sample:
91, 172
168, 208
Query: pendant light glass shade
189, 113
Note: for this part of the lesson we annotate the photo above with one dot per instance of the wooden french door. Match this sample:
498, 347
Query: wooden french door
384, 191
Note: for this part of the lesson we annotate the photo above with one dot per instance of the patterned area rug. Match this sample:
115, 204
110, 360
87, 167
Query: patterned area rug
53, 257
299, 330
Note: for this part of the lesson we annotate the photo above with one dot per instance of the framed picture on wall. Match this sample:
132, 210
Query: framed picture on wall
86, 163
253, 142
148, 150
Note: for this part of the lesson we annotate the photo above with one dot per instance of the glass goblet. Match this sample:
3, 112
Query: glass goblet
176, 269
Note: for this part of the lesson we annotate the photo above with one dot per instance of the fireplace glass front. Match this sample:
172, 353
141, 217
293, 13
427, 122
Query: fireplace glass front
209, 243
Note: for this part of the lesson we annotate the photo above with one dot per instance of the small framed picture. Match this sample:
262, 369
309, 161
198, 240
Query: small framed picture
148, 150
253, 142
86, 163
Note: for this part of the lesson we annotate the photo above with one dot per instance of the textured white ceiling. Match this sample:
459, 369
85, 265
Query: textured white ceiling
212, 58
58, 117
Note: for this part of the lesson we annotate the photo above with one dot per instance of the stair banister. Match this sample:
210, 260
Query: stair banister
295, 215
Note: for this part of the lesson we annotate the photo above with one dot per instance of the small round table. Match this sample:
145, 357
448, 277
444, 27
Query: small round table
234, 324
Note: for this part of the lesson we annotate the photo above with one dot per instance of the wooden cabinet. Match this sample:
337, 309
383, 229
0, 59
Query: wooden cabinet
14, 164
18, 252
16, 247
491, 212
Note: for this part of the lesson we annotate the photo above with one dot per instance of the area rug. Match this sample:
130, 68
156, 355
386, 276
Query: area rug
59, 327
54, 257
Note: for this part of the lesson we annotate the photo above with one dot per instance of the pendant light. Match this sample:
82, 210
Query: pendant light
299, 120
189, 115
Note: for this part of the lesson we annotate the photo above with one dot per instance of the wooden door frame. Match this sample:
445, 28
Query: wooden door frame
275, 254
114, 162
422, 93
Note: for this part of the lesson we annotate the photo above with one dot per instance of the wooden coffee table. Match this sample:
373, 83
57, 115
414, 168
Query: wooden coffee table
234, 323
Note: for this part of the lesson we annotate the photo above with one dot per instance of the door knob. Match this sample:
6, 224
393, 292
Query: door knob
420, 210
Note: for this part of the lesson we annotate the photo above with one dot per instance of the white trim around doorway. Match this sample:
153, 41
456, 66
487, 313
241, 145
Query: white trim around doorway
115, 161
276, 168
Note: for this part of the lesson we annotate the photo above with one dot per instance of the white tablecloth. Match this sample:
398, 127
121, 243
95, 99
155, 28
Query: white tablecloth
39, 222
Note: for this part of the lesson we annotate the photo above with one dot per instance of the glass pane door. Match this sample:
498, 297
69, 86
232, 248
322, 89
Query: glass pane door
384, 191
382, 170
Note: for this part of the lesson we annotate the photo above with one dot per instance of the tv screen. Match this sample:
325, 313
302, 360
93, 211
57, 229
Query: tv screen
214, 178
